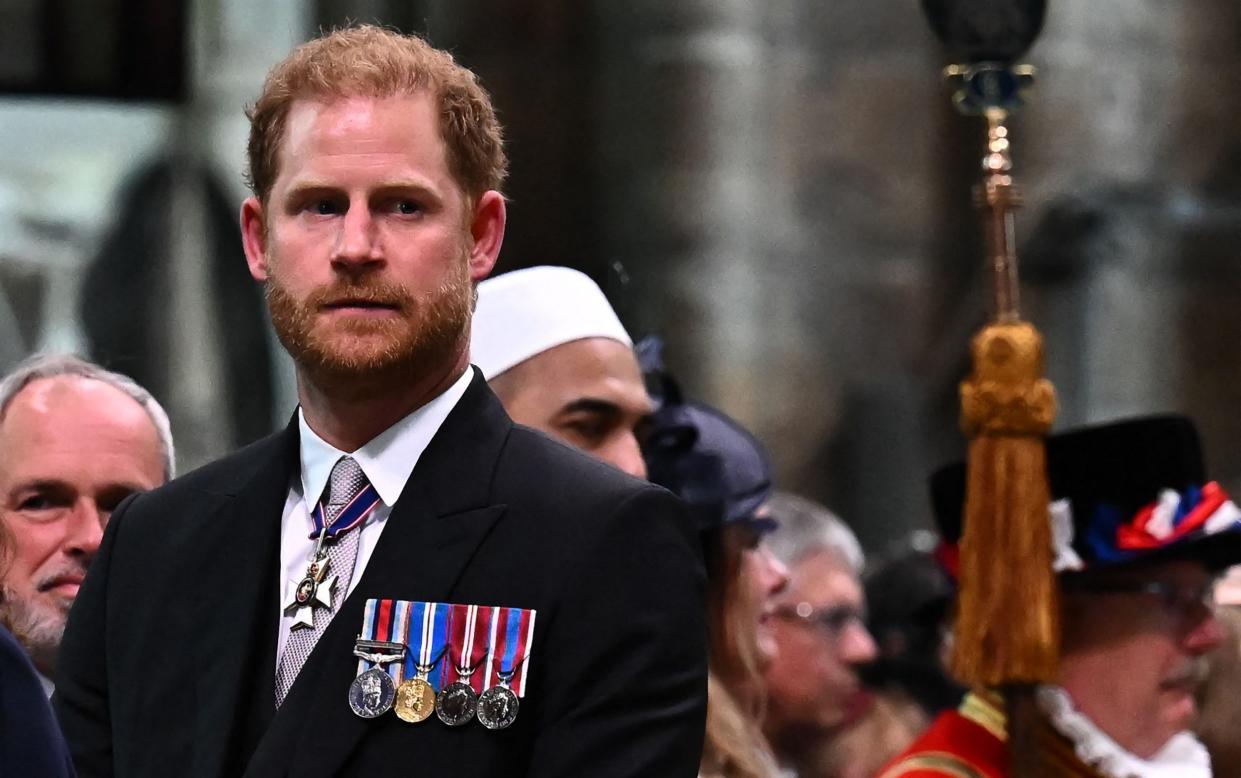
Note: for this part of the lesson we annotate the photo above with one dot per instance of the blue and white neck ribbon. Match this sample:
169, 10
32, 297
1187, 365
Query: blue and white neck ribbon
353, 514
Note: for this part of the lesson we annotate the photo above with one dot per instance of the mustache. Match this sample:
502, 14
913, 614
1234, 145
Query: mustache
361, 291
1192, 672
68, 569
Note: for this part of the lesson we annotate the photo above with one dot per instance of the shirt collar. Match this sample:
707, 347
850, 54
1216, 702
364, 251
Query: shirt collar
388, 459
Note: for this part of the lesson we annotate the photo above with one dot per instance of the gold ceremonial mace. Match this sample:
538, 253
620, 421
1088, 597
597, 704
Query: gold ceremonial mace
1007, 625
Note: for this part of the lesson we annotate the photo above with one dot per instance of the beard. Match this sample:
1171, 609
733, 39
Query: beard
355, 354
38, 627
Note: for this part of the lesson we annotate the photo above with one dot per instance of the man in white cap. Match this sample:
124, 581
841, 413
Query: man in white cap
557, 356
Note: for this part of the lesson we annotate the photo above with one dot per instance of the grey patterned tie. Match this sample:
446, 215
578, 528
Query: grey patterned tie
346, 480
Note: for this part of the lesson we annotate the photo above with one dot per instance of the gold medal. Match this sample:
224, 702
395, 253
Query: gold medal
415, 700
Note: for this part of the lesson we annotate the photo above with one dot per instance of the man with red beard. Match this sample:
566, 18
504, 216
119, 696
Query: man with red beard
402, 579
1139, 535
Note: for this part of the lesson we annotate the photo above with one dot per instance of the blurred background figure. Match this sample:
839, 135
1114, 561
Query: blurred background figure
722, 473
75, 440
815, 691
557, 356
1220, 695
1139, 536
30, 740
910, 599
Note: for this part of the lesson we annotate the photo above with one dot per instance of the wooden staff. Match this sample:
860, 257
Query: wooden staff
1007, 633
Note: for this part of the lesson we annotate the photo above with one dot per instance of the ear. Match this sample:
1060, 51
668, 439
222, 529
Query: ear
487, 231
254, 237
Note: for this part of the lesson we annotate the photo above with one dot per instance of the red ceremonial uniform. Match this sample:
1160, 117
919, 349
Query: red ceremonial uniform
971, 742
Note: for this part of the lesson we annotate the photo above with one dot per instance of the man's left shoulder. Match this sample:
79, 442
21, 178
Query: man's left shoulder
538, 474
595, 522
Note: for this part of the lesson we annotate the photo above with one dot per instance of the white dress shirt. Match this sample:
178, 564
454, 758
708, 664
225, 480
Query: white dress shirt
387, 460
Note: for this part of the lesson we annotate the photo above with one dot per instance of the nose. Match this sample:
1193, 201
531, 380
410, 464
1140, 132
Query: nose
357, 245
83, 530
856, 645
625, 454
1205, 636
776, 573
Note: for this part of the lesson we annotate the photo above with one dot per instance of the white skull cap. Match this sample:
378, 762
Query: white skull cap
526, 312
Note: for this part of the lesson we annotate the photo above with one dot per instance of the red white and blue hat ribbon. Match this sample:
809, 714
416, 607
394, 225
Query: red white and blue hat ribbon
1174, 517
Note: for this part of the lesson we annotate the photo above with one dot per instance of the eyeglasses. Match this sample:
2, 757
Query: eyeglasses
832, 620
1188, 601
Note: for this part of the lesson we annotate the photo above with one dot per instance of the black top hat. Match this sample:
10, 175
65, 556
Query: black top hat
1131, 491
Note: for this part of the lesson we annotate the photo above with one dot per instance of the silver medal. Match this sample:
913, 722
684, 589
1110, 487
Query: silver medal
456, 703
497, 707
372, 693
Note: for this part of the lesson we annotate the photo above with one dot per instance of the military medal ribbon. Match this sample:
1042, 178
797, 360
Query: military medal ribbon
512, 632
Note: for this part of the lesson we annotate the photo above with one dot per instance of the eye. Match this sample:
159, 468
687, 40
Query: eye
36, 502
324, 208
590, 429
108, 501
404, 206
42, 504
749, 537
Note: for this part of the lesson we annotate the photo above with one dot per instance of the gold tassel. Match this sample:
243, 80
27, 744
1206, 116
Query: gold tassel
1007, 629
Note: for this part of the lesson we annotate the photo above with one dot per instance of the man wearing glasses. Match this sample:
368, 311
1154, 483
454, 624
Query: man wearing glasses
818, 624
1140, 534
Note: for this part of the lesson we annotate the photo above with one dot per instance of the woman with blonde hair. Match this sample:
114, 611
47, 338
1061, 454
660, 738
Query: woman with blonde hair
722, 473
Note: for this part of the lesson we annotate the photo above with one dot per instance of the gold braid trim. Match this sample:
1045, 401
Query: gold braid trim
945, 764
985, 711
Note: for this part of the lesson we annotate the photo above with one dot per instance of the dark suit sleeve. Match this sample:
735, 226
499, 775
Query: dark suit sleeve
626, 696
81, 698
30, 743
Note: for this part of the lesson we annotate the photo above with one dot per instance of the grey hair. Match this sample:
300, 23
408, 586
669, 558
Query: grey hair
807, 528
42, 366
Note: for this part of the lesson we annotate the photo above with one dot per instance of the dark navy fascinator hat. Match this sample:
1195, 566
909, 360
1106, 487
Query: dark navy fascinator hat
1130, 492
698, 453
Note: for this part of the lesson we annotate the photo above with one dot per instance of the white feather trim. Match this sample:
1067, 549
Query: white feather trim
1182, 757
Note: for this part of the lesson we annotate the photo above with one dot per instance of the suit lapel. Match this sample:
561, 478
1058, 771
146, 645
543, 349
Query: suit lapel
441, 518
237, 598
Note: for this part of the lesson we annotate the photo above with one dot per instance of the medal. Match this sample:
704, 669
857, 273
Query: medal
512, 633
401, 663
371, 693
314, 589
497, 707
457, 701
416, 695
415, 700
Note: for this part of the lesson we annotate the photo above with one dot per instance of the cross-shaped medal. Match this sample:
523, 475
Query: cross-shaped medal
313, 590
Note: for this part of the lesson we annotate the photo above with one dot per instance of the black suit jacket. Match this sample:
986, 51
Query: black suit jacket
168, 662
30, 742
